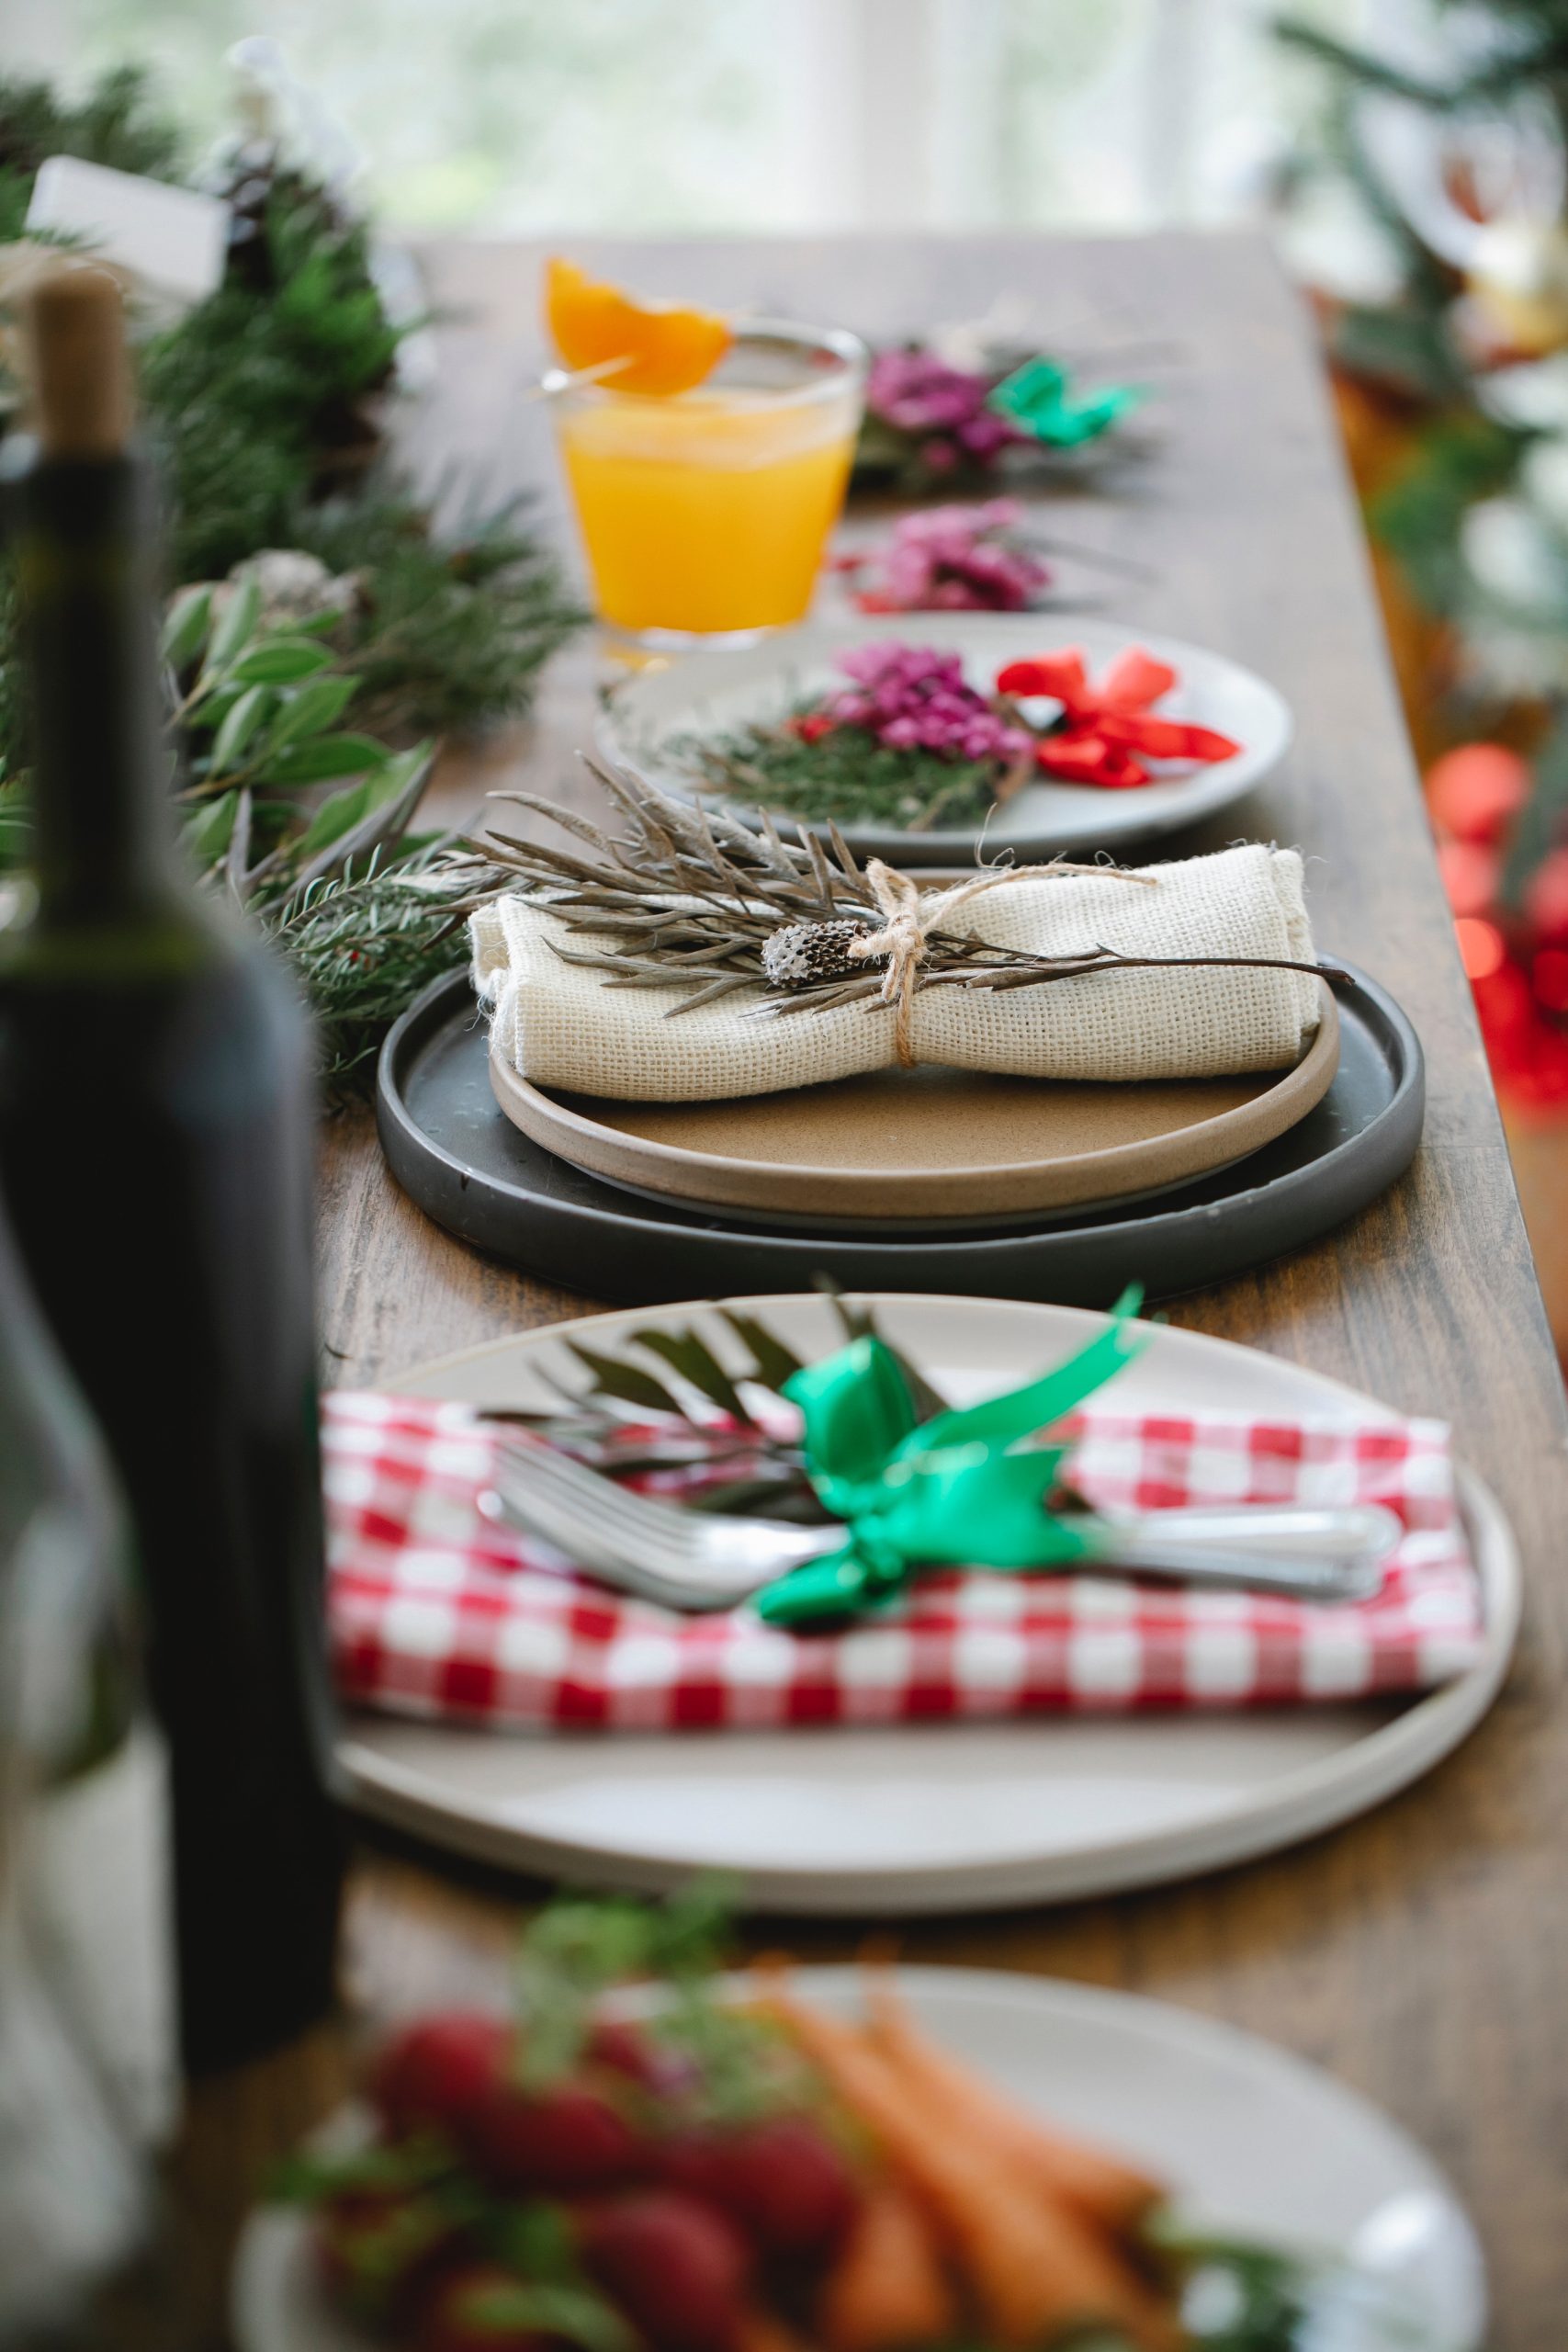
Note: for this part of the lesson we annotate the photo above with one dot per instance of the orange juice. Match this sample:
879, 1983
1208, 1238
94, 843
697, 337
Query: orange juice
706, 512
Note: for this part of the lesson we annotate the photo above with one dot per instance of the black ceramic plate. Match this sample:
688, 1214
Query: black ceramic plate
455, 1153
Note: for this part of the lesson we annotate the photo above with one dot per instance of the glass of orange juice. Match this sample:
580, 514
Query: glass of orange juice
705, 514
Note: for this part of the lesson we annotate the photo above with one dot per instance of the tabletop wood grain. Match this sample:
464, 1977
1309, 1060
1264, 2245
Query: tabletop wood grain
1420, 1953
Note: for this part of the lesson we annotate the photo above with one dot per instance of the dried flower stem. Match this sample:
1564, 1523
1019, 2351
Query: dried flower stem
689, 895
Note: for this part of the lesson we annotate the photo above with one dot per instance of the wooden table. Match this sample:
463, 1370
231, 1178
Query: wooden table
1421, 1953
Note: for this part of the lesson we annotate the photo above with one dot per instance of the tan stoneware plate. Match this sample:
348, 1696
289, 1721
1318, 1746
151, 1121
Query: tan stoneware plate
926, 1145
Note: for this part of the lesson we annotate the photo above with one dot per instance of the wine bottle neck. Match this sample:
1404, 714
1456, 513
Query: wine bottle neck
104, 827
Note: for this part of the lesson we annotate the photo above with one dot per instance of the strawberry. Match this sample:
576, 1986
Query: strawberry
621, 2046
480, 2308
566, 2142
677, 2269
780, 2181
436, 2071
618, 2047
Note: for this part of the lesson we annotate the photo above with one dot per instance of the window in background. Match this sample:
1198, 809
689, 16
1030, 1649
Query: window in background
493, 116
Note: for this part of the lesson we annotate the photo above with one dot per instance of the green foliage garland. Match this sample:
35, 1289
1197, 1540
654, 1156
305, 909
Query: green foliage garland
306, 739
115, 124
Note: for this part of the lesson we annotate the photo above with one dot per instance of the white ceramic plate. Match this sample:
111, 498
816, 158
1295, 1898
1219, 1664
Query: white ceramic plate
715, 693
1255, 2142
928, 1817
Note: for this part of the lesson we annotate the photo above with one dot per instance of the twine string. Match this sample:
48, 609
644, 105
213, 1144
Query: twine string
911, 915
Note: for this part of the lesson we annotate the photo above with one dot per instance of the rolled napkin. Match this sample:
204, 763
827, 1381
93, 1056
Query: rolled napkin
559, 1024
435, 1611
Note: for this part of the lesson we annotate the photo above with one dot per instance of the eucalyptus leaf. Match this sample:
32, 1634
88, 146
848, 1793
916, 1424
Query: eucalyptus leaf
325, 758
214, 707
319, 704
281, 661
236, 627
391, 794
207, 834
407, 766
184, 630
338, 815
240, 722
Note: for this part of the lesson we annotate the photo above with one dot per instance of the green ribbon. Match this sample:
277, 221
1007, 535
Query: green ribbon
1038, 399
960, 1490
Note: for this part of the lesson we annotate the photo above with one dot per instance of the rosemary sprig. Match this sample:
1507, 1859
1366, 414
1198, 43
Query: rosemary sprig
845, 775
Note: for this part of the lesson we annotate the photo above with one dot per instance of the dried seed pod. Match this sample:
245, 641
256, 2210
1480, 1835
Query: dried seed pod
803, 953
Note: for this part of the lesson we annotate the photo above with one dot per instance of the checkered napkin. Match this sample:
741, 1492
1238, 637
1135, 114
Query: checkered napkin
435, 1612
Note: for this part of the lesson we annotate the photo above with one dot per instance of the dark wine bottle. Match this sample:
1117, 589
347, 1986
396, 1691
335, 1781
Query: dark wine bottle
156, 1147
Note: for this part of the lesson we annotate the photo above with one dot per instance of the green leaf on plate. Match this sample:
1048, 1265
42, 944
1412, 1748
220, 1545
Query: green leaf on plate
773, 1362
574, 2315
626, 1382
689, 1354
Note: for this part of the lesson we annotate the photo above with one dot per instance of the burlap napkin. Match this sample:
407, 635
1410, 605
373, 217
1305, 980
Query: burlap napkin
560, 1025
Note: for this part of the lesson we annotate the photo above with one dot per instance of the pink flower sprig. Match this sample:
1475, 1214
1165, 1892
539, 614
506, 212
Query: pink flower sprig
942, 408
914, 697
950, 558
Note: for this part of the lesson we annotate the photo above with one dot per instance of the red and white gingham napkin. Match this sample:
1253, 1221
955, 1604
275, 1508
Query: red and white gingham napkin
435, 1612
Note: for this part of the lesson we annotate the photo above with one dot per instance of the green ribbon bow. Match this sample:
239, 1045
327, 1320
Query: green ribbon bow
960, 1490
1036, 397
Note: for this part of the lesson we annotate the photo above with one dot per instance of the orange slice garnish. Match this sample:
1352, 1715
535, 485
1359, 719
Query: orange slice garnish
665, 349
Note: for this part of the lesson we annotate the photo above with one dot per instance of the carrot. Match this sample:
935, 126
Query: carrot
887, 2289
1110, 2192
763, 2331
1035, 2266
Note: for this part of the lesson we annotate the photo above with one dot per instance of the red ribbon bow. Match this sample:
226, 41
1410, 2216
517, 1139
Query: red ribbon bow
1103, 726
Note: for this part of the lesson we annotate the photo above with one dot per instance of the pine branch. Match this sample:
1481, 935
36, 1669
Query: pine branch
452, 626
366, 943
1361, 66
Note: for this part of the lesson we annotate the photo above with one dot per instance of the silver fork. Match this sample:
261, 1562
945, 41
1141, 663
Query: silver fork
700, 1560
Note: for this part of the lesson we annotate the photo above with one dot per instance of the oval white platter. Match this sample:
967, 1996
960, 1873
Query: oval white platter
1255, 2142
943, 1816
715, 693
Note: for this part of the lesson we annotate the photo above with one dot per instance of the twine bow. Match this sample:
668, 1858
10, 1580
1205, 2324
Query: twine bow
911, 915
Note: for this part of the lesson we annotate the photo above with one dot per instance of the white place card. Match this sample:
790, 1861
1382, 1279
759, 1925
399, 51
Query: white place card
170, 240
